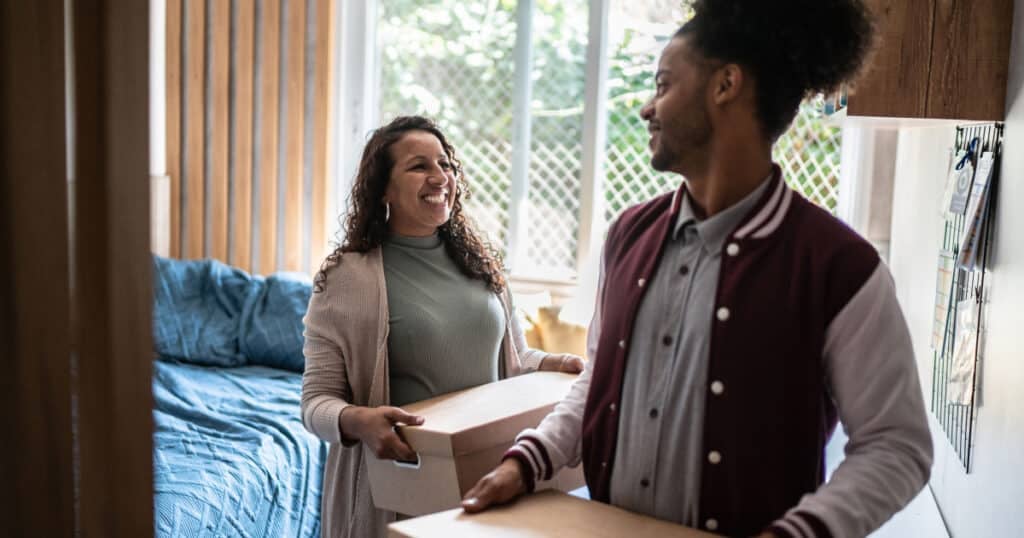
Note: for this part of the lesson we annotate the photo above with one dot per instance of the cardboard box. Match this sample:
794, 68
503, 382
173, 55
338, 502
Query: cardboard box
463, 437
547, 513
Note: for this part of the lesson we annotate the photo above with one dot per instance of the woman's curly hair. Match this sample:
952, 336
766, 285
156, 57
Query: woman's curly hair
795, 48
366, 226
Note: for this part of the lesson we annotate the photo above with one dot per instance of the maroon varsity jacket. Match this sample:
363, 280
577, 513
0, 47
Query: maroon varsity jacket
786, 272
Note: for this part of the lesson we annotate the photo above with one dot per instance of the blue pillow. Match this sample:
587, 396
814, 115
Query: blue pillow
196, 310
271, 328
210, 314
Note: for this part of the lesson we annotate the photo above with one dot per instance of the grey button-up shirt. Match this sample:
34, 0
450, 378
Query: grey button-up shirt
659, 456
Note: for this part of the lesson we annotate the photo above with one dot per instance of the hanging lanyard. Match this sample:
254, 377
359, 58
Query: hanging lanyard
971, 148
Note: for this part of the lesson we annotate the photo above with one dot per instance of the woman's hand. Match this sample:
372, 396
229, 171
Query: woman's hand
375, 427
562, 362
499, 486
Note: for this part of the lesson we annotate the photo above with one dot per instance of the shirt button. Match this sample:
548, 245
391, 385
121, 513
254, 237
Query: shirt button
654, 413
733, 249
644, 482
723, 314
684, 270
711, 524
641, 282
622, 344
717, 387
714, 457
667, 340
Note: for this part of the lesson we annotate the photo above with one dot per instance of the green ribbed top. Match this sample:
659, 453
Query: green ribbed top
445, 329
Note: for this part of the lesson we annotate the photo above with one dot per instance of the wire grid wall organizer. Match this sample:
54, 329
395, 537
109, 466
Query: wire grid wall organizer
958, 420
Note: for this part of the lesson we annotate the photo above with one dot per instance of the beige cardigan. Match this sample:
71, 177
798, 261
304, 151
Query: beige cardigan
347, 364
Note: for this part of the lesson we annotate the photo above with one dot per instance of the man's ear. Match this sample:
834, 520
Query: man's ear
727, 83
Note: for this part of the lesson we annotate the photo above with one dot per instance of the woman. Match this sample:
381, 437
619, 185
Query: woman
412, 305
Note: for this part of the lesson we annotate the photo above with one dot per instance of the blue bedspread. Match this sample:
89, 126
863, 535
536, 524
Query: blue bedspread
231, 456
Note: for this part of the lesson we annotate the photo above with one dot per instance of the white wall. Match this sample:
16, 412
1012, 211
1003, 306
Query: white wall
159, 183
990, 500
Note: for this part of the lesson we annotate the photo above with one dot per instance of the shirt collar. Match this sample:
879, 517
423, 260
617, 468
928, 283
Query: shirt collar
715, 230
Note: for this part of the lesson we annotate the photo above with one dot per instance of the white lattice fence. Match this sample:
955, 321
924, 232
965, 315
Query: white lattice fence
809, 156
554, 206
451, 60
486, 166
556, 109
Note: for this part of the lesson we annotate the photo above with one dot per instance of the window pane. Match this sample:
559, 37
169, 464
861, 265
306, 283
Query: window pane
809, 156
638, 30
809, 152
451, 60
559, 64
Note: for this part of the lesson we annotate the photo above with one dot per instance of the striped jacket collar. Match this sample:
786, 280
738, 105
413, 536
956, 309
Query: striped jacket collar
764, 218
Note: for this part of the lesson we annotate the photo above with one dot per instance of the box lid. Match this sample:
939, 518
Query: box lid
548, 513
484, 416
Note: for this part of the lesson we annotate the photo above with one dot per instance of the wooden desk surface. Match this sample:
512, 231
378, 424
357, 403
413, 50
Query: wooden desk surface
544, 514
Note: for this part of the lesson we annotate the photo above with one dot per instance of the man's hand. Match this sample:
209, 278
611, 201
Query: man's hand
500, 486
375, 427
562, 362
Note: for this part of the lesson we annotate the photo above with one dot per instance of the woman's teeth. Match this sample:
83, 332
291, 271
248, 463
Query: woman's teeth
435, 198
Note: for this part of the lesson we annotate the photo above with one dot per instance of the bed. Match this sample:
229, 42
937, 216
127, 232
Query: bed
231, 457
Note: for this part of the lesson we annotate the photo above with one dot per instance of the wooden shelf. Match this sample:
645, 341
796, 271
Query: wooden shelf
938, 59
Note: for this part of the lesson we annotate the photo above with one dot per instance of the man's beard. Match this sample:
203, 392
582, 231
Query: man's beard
661, 159
692, 142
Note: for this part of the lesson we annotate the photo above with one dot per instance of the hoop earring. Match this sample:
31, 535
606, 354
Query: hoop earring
387, 211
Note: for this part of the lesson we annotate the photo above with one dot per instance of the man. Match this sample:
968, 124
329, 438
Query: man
736, 321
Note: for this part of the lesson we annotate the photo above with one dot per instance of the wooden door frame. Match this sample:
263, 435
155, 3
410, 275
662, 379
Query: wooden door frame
75, 283
112, 269
36, 470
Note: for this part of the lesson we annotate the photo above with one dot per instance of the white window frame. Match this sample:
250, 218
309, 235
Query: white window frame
358, 67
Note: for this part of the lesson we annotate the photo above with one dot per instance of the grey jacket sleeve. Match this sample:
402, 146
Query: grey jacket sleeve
873, 378
557, 441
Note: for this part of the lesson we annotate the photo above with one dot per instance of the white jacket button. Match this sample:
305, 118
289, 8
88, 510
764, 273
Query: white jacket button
723, 314
711, 524
733, 249
714, 457
717, 387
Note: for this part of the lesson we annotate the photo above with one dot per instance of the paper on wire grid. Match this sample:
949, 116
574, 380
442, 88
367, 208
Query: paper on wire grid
960, 387
962, 178
951, 181
943, 293
977, 209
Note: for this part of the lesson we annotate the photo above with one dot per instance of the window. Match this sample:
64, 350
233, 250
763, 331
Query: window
541, 99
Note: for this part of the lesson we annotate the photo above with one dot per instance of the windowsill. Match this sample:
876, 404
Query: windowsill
561, 290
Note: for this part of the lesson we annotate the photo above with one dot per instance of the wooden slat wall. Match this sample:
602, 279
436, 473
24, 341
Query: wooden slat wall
294, 126
173, 92
242, 73
220, 74
194, 127
322, 82
241, 241
268, 115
